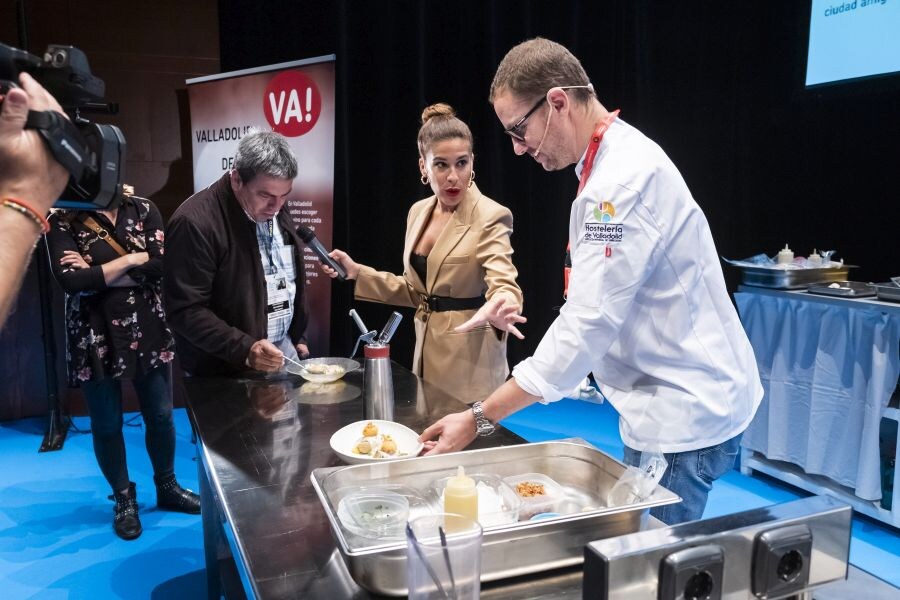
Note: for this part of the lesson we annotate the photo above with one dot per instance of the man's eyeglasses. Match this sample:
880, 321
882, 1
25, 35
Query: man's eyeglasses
517, 131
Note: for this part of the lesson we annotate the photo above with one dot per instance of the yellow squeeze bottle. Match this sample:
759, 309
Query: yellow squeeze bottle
460, 495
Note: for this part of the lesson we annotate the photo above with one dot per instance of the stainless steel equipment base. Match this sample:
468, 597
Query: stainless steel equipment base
778, 551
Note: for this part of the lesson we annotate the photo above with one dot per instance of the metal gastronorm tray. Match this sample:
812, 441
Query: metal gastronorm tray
792, 279
844, 289
508, 550
888, 291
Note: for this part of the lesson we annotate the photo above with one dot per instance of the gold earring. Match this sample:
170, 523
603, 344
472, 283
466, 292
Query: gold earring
472, 179
424, 179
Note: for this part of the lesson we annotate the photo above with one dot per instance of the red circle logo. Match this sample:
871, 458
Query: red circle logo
292, 103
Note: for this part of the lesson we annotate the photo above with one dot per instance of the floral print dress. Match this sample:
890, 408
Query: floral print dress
112, 331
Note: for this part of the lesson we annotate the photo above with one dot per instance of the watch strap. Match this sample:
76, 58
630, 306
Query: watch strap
483, 426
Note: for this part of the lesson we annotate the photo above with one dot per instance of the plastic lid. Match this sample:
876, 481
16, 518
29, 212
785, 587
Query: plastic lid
374, 514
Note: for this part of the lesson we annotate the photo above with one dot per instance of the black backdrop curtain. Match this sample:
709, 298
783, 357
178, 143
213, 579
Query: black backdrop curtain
719, 85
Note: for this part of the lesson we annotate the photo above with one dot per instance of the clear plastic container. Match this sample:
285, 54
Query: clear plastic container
443, 557
498, 504
374, 514
539, 493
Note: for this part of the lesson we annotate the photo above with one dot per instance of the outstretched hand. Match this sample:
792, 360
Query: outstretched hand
500, 312
451, 434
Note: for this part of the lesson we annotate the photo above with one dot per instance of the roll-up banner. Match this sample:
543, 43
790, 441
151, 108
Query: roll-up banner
295, 99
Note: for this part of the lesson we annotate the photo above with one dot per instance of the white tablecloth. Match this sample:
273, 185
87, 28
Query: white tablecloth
828, 370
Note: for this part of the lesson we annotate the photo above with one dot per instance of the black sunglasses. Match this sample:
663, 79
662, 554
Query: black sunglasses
517, 131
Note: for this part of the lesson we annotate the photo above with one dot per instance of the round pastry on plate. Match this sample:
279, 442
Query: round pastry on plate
390, 441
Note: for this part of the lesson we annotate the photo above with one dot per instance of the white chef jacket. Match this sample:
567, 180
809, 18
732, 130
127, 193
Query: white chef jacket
647, 311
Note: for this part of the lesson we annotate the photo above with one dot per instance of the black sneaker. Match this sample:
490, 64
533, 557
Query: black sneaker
171, 496
126, 522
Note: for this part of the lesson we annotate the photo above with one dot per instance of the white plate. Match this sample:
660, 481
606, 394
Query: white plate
345, 439
346, 364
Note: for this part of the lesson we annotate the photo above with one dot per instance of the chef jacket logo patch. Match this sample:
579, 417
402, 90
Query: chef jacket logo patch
604, 211
603, 233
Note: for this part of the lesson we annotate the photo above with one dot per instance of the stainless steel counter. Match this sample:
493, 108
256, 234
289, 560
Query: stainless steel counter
265, 531
266, 534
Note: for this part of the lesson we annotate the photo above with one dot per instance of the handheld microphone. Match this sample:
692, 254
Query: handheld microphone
309, 238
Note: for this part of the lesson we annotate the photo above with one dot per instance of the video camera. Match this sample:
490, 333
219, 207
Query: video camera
92, 153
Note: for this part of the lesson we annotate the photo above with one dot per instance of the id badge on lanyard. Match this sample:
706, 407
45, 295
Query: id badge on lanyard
279, 305
277, 293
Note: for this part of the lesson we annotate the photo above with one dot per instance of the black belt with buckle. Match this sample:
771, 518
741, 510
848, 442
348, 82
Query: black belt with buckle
443, 303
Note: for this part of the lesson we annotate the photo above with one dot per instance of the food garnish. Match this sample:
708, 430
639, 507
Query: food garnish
527, 489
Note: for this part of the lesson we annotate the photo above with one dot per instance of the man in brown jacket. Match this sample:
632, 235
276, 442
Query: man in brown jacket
233, 279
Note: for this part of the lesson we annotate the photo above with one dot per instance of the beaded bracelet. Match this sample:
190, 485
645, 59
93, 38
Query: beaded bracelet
26, 209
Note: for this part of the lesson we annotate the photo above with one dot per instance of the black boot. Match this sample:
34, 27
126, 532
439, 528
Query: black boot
126, 522
171, 496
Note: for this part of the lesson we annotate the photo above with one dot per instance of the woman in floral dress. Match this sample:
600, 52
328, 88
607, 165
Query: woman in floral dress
110, 265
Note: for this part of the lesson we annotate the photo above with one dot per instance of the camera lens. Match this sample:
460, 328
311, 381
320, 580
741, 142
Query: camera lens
58, 58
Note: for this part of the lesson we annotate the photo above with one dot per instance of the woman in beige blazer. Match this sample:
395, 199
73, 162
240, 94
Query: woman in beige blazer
457, 268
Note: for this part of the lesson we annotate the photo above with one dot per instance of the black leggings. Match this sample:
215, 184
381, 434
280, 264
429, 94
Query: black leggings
104, 399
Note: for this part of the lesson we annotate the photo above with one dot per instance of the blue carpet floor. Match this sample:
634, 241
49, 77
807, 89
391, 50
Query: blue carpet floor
56, 538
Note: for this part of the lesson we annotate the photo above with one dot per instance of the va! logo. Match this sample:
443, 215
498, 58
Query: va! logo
292, 103
604, 211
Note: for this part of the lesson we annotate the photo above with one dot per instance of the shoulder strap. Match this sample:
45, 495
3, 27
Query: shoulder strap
103, 234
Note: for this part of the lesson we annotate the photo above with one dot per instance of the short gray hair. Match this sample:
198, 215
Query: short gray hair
533, 67
266, 153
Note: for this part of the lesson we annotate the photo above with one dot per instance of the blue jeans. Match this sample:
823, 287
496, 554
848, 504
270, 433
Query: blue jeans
104, 400
690, 475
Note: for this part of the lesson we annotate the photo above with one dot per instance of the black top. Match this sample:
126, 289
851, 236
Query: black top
214, 286
419, 264
112, 331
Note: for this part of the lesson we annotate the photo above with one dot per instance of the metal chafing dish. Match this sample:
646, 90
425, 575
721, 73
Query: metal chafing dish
508, 550
793, 279
843, 289
888, 291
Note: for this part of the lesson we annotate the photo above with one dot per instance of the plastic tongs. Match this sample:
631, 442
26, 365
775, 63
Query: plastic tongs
366, 337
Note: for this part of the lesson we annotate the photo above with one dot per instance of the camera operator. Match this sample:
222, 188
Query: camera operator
30, 182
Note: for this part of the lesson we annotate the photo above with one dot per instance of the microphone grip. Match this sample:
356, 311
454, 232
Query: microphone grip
322, 253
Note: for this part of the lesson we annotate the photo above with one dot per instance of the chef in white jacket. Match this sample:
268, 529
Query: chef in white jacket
647, 309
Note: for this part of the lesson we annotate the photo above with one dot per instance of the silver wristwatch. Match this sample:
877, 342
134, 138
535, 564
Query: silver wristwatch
483, 427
